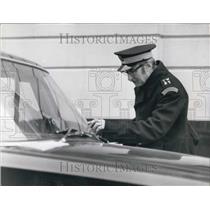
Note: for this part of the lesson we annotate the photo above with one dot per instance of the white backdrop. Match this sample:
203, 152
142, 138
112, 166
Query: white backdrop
80, 58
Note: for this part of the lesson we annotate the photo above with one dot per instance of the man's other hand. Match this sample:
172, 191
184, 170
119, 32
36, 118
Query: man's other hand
96, 125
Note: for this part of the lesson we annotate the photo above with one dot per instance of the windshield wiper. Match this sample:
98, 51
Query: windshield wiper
73, 132
67, 132
97, 137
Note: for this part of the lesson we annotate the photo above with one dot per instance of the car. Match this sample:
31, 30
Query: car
46, 141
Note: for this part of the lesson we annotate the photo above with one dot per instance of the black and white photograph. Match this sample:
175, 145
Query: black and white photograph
105, 104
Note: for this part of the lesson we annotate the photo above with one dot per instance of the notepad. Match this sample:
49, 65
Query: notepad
36, 145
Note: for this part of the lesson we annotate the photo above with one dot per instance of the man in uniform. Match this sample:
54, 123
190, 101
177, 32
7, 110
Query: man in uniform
161, 106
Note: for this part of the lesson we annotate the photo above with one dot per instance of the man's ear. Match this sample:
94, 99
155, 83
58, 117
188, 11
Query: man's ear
147, 65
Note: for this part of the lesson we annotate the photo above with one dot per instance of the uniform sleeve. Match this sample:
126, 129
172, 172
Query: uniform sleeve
163, 117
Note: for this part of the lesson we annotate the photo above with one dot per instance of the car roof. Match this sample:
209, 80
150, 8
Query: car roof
20, 60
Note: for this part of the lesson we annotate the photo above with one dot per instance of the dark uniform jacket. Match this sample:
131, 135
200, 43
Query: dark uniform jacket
161, 107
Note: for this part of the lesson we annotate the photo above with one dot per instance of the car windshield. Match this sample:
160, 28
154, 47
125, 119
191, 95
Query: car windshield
33, 106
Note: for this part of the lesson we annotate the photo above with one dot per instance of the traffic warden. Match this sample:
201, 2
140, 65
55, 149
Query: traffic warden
161, 106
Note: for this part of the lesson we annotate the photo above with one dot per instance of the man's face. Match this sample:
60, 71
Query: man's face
139, 76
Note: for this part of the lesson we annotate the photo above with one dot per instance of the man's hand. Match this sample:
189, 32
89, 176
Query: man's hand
96, 125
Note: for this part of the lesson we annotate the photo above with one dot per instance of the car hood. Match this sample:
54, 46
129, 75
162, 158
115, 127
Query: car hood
139, 159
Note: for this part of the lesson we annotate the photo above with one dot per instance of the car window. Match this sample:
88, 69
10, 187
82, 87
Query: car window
67, 110
48, 102
9, 98
29, 108
28, 113
37, 107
